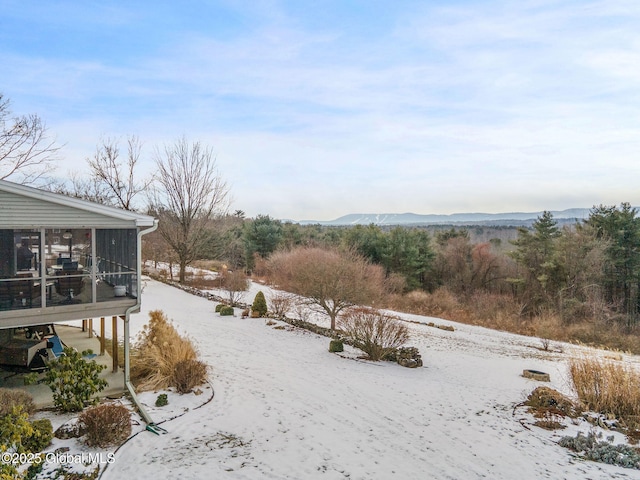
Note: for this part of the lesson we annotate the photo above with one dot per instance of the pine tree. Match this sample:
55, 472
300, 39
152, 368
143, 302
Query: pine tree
535, 253
260, 304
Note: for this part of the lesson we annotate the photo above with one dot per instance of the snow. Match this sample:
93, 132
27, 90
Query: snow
281, 406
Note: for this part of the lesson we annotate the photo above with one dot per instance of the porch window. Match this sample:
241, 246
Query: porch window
42, 268
68, 266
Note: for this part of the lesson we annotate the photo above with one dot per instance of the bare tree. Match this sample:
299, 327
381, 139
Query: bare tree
78, 186
116, 177
330, 280
26, 152
189, 193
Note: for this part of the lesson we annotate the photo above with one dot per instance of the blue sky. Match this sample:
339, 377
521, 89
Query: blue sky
319, 109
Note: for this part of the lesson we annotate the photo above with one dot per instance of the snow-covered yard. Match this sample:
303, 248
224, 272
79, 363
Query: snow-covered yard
286, 408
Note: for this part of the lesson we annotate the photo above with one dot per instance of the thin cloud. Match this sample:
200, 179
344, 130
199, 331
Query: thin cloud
439, 108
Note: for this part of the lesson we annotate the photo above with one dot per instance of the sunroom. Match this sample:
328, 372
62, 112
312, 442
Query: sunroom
63, 259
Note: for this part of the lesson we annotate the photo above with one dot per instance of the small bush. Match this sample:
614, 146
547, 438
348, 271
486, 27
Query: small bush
226, 311
602, 451
41, 436
373, 332
14, 429
336, 346
188, 374
162, 400
550, 421
10, 398
219, 307
281, 303
159, 349
259, 304
14, 426
105, 425
74, 381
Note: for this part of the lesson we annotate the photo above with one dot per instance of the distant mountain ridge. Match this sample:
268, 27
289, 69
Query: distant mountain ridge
511, 218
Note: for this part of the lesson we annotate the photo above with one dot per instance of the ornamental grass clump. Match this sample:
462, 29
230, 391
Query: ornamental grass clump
159, 350
607, 387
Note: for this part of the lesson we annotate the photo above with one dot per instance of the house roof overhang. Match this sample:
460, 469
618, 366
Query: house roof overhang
137, 219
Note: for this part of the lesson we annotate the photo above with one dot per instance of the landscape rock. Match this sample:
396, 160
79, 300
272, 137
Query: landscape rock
69, 430
409, 357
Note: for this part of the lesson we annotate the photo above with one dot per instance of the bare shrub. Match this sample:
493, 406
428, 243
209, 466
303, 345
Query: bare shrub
10, 398
550, 421
210, 265
302, 311
395, 283
203, 283
188, 374
375, 333
281, 303
545, 343
157, 353
105, 425
260, 266
607, 386
235, 283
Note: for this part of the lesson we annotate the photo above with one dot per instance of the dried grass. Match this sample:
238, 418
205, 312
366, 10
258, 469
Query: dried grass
160, 349
503, 312
607, 386
544, 402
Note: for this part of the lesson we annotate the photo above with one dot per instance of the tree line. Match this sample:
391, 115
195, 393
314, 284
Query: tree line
586, 270
590, 269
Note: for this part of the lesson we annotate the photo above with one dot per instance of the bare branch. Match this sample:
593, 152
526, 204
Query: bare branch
117, 179
26, 152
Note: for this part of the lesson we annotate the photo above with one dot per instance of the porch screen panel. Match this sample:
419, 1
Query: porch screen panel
116, 257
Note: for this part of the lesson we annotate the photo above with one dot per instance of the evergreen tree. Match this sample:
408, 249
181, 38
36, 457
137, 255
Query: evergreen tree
262, 236
535, 252
621, 227
259, 304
